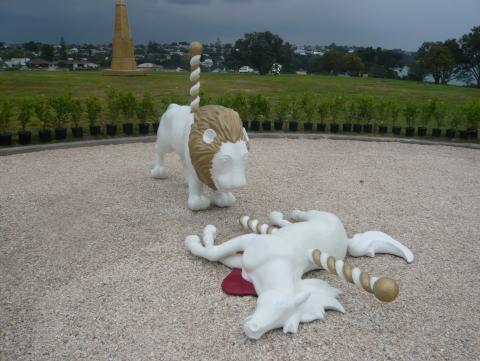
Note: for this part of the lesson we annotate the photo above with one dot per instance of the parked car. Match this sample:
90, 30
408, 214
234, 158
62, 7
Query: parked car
246, 69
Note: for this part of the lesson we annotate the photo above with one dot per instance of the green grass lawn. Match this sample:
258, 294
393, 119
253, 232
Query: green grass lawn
16, 85
81, 84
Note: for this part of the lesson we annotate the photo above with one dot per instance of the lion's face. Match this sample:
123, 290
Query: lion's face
218, 146
228, 166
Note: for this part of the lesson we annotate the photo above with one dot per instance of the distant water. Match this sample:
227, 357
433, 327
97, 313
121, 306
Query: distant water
403, 72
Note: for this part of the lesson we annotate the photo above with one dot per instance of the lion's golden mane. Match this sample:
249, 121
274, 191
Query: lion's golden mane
229, 128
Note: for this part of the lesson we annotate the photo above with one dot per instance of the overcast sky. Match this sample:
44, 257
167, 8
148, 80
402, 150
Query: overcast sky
386, 23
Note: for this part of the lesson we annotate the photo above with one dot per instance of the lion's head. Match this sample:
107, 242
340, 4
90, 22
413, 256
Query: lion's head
218, 146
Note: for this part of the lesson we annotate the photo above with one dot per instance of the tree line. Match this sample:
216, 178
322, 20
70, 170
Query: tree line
444, 61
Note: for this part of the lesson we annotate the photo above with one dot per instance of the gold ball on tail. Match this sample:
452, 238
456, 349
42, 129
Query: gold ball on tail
196, 48
385, 289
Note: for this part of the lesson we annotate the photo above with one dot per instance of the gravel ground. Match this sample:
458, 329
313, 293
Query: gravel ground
93, 266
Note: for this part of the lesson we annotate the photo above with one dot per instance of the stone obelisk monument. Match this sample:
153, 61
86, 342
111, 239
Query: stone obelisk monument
123, 58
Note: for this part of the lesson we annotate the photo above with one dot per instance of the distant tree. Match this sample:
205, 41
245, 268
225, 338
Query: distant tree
15, 54
260, 50
416, 72
454, 46
332, 63
31, 46
470, 45
380, 62
47, 52
353, 65
152, 47
230, 61
387, 62
368, 57
436, 60
304, 62
63, 49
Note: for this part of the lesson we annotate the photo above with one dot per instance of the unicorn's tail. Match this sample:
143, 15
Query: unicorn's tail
370, 243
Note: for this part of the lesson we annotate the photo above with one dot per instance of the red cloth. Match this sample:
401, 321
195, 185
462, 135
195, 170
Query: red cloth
235, 285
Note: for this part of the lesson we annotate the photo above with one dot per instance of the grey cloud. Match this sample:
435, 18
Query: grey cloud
189, 2
385, 23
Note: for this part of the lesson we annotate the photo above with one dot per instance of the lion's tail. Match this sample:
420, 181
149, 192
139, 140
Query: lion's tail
195, 50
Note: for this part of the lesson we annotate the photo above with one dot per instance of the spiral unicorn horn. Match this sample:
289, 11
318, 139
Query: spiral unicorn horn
385, 289
195, 51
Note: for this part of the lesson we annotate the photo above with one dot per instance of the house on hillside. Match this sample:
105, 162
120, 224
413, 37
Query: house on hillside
42, 64
75, 65
17, 63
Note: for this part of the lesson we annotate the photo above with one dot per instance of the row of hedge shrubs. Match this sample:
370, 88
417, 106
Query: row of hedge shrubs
368, 114
307, 112
63, 111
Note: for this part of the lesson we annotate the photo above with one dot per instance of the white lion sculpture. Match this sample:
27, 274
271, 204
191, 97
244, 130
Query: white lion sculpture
211, 142
274, 260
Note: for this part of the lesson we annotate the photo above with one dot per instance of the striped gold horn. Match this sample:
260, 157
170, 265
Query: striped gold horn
384, 289
255, 226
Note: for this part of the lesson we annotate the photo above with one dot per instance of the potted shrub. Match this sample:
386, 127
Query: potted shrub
323, 110
114, 109
410, 112
337, 103
225, 100
457, 120
240, 104
76, 111
472, 116
44, 114
6, 112
24, 117
128, 105
349, 114
93, 107
61, 105
381, 112
283, 112
365, 108
439, 118
394, 113
357, 118
308, 102
145, 110
265, 112
296, 113
427, 113
254, 111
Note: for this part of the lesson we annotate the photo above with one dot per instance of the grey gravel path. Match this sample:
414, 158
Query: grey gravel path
93, 266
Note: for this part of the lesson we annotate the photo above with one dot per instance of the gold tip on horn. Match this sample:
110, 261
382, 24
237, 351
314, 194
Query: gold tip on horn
385, 289
195, 48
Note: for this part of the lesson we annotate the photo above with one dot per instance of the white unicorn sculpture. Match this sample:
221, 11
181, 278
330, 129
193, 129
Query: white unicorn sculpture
274, 260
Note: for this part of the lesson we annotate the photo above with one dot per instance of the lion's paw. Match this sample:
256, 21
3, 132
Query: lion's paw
158, 173
198, 203
192, 241
223, 199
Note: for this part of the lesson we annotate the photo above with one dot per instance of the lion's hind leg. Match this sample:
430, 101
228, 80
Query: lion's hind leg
162, 147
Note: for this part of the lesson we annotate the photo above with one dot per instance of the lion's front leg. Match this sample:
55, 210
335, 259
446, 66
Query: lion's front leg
197, 199
223, 199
